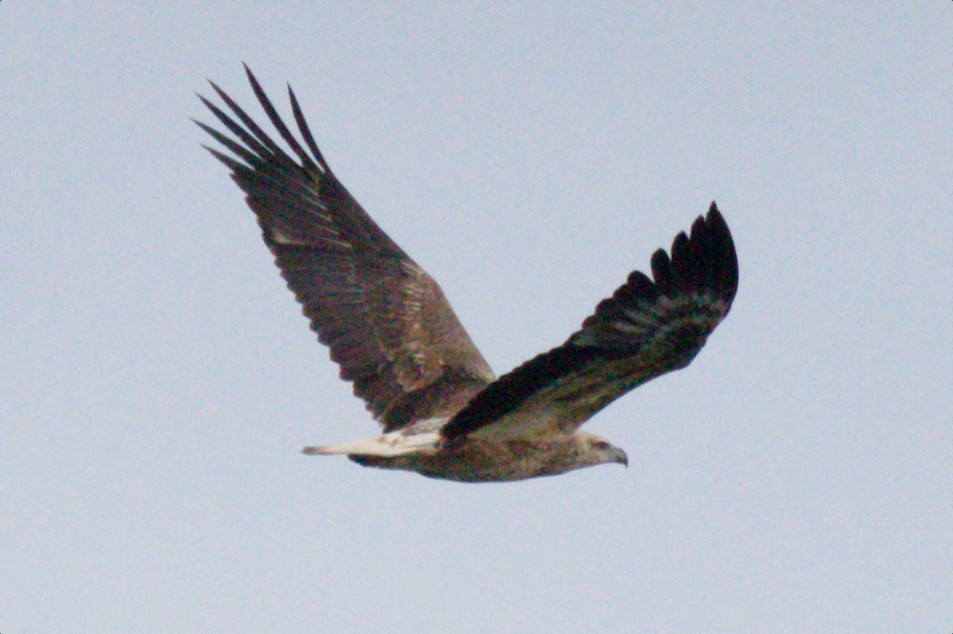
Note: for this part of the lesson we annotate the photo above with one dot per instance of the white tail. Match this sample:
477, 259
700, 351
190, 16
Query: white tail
395, 443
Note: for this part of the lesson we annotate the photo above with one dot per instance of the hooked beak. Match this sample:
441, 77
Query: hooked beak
618, 455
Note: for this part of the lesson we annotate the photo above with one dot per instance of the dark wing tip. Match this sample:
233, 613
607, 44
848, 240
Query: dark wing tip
720, 253
702, 260
662, 267
305, 130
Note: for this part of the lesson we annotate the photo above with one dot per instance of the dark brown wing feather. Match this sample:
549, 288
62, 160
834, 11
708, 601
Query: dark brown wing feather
647, 328
386, 321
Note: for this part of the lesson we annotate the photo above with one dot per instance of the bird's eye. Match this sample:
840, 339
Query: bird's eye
601, 445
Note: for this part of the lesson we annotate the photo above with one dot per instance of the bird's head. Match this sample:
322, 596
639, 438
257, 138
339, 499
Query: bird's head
597, 450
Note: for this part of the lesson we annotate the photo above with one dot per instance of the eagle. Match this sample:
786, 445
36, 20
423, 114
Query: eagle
443, 412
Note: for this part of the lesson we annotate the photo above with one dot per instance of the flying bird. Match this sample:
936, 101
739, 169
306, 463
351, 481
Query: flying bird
443, 412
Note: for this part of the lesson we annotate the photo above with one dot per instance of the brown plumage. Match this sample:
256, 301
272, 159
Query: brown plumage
396, 338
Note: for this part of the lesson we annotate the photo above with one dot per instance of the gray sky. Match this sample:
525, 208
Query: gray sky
159, 380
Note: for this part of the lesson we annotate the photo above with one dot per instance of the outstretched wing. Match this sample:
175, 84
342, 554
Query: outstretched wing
386, 321
647, 328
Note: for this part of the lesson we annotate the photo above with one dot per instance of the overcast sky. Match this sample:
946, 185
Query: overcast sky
158, 380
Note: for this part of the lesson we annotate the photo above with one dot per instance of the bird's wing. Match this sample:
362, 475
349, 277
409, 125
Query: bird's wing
647, 328
385, 319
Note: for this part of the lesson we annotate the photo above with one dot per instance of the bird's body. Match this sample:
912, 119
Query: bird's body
423, 449
444, 413
488, 461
